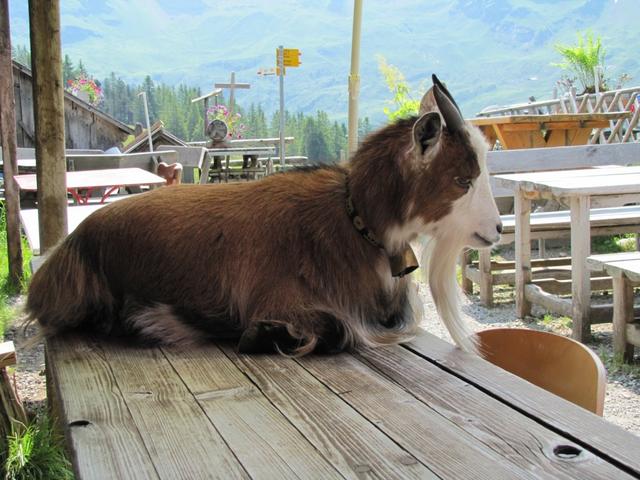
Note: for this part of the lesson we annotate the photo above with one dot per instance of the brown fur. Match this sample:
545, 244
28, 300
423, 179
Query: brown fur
279, 251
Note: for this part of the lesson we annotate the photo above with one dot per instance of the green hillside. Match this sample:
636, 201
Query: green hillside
490, 52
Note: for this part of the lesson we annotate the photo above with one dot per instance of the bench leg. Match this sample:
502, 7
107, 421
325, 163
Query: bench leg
486, 278
580, 278
523, 253
622, 316
465, 261
542, 248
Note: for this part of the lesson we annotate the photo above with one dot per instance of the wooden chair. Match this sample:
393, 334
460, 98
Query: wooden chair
192, 159
558, 364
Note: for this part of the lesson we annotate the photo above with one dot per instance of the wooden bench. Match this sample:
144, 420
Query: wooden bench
546, 225
624, 268
75, 215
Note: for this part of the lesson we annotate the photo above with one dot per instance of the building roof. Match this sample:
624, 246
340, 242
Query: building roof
159, 136
81, 103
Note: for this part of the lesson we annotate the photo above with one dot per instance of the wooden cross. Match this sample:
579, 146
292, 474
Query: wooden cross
232, 85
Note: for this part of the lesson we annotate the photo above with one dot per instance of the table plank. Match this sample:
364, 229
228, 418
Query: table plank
97, 178
181, 440
495, 440
550, 118
594, 181
500, 428
583, 427
262, 439
349, 441
75, 216
101, 434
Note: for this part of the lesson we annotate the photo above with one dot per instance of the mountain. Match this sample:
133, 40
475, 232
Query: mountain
490, 52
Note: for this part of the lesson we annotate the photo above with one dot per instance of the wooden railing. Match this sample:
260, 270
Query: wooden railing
620, 131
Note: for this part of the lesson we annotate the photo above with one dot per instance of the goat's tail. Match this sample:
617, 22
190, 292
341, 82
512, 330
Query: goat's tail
66, 292
440, 256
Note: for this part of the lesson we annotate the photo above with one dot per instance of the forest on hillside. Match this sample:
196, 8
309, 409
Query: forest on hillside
316, 136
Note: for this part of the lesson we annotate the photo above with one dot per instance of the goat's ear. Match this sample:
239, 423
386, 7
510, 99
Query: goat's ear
428, 102
426, 131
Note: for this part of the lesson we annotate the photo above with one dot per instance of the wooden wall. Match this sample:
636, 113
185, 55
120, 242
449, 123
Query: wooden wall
85, 127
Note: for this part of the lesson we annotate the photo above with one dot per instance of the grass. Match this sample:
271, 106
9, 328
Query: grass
34, 453
8, 293
614, 244
617, 366
551, 321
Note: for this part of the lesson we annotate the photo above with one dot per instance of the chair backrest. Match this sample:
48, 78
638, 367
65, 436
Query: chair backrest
145, 160
192, 159
558, 364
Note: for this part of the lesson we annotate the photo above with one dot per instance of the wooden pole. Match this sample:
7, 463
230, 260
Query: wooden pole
354, 78
48, 93
9, 149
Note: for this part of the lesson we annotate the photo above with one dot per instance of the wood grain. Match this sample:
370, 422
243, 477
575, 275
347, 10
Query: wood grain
521, 442
441, 432
48, 93
262, 439
549, 410
351, 442
103, 439
182, 442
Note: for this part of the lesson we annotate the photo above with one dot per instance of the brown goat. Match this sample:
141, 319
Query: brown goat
298, 261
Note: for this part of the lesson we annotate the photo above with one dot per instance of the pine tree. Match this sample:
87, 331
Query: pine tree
80, 70
22, 55
68, 70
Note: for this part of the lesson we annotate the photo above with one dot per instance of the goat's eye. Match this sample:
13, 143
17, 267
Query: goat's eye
463, 182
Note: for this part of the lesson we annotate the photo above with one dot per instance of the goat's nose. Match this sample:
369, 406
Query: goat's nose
499, 227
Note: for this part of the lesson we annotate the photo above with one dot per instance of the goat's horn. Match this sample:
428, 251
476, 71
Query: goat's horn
447, 106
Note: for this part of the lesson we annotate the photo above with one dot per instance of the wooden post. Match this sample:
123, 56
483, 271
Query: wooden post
9, 149
354, 78
580, 278
523, 252
465, 262
486, 277
622, 316
46, 65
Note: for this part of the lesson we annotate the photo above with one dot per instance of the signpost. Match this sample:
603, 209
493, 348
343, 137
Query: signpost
285, 57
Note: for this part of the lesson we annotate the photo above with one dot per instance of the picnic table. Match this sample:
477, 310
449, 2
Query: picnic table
422, 410
82, 183
249, 154
613, 185
536, 131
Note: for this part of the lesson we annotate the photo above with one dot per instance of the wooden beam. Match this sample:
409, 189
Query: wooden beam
9, 149
48, 93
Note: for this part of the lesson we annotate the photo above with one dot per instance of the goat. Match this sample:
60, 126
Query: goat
311, 259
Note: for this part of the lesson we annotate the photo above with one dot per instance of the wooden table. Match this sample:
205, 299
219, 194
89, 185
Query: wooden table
30, 226
535, 131
425, 410
249, 154
88, 180
624, 268
579, 188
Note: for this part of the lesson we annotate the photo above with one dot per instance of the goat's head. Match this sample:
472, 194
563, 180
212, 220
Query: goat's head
452, 197
449, 157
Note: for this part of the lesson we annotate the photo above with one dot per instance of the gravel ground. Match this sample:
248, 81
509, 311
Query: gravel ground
622, 403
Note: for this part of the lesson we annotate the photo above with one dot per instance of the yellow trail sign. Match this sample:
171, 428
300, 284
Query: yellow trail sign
291, 57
